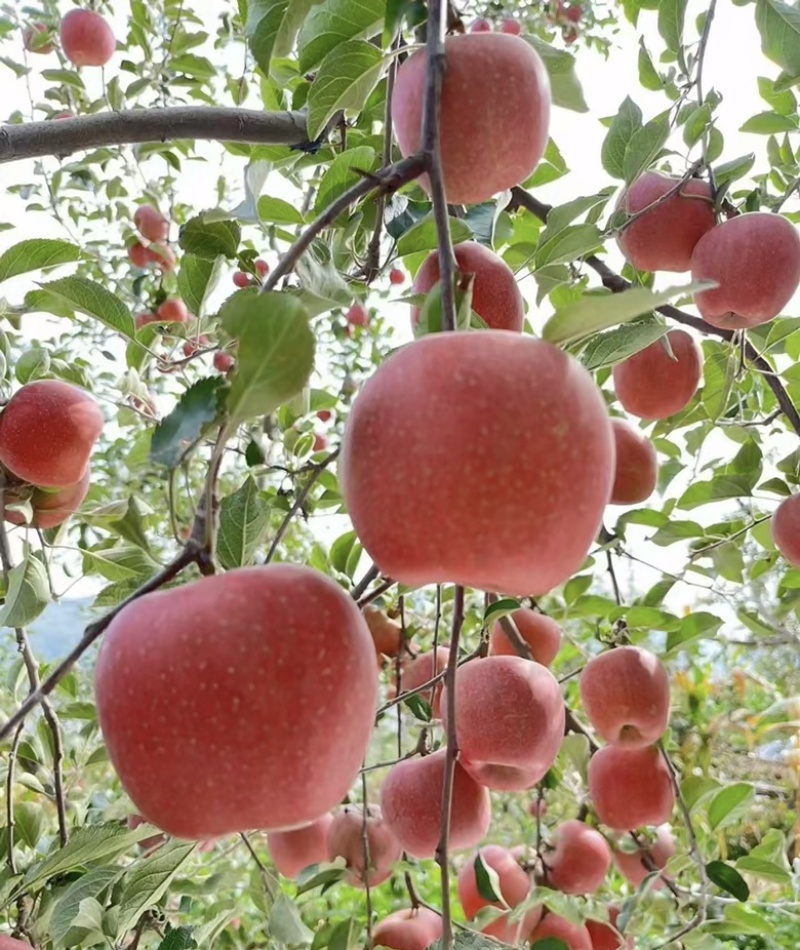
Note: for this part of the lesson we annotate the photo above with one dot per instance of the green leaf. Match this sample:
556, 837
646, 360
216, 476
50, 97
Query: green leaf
736, 168
671, 17
271, 26
644, 146
648, 74
94, 300
91, 884
782, 101
178, 938
779, 26
123, 563
197, 408
28, 593
28, 822
598, 312
335, 22
277, 211
728, 878
243, 519
345, 79
764, 869
197, 279
343, 173
721, 487
276, 352
625, 125
692, 627
719, 371
323, 287
488, 881
210, 239
769, 123
500, 608
572, 242
729, 804
608, 349
422, 235
149, 880
286, 925
565, 86
36, 254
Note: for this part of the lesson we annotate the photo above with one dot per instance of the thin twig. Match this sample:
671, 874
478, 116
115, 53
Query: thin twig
366, 854
266, 877
442, 856
372, 575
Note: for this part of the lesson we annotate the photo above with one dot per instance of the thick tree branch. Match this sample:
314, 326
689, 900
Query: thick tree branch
137, 126
616, 283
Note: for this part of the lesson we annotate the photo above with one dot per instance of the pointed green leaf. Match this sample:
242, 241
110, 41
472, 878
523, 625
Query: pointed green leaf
779, 26
197, 278
149, 880
617, 345
243, 519
345, 79
644, 146
625, 125
210, 238
342, 173
28, 593
91, 884
422, 235
565, 86
671, 16
271, 27
335, 22
275, 355
93, 299
197, 408
36, 254
729, 804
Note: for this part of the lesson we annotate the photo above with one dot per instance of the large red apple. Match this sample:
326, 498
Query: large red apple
555, 927
86, 38
346, 840
47, 431
510, 721
478, 458
239, 701
513, 882
51, 508
625, 692
630, 787
495, 295
755, 260
291, 851
540, 632
579, 860
636, 471
653, 383
495, 113
408, 929
411, 803
664, 237
785, 524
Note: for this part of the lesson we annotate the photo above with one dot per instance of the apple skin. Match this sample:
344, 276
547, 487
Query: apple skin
29, 36
631, 865
86, 38
579, 860
420, 669
755, 260
411, 803
478, 458
630, 787
52, 508
292, 851
10, 943
664, 237
514, 882
138, 256
223, 363
575, 936
636, 472
785, 525
652, 385
516, 931
514, 747
607, 937
514, 27
625, 692
480, 25
495, 113
150, 223
212, 698
173, 310
496, 298
357, 315
408, 929
541, 633
47, 431
345, 839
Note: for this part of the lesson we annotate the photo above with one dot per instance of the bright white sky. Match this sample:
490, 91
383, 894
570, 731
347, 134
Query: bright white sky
579, 136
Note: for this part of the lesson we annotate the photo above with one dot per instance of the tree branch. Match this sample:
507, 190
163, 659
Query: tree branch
137, 126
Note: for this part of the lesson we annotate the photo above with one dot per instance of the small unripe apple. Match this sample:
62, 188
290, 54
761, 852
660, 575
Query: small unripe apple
173, 310
408, 930
86, 38
579, 860
346, 839
755, 260
320, 442
387, 635
480, 25
514, 27
573, 14
51, 508
357, 316
785, 524
292, 851
420, 669
31, 39
223, 362
238, 701
47, 431
324, 415
150, 223
652, 384
664, 237
261, 266
541, 633
241, 279
138, 255
142, 319
495, 113
495, 295
636, 468
630, 787
396, 276
411, 803
162, 256
625, 692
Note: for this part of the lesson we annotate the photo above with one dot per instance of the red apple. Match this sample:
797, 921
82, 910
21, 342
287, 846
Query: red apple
142, 319
320, 442
664, 237
396, 276
241, 279
223, 362
514, 27
495, 113
636, 471
173, 310
32, 39
541, 633
478, 458
631, 863
292, 851
625, 692
357, 316
514, 883
480, 25
785, 524
579, 860
138, 255
630, 787
606, 936
495, 295
411, 802
47, 431
408, 929
86, 38
162, 256
346, 839
9, 943
150, 223
512, 747
262, 267
652, 384
238, 701
51, 508
755, 260
575, 936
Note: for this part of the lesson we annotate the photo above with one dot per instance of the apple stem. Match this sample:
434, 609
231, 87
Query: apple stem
442, 858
